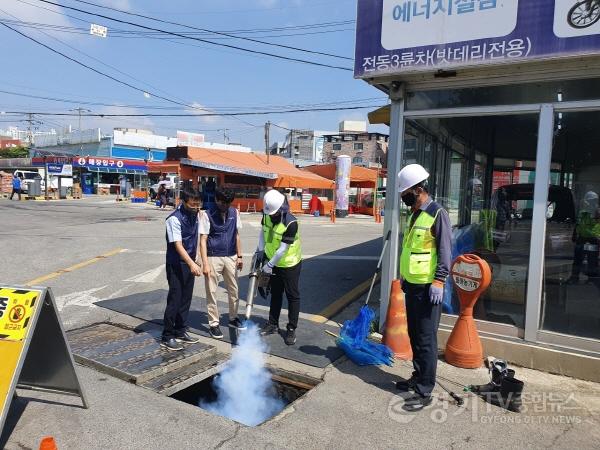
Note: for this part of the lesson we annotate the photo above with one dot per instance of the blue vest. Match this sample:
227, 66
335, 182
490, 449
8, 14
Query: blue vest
16, 183
189, 236
222, 237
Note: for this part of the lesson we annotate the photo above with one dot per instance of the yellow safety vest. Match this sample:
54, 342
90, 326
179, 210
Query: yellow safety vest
418, 260
273, 236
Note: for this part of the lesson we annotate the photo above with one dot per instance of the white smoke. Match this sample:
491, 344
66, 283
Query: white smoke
244, 387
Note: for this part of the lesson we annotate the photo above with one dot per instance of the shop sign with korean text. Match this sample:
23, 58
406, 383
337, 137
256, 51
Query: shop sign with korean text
93, 162
403, 36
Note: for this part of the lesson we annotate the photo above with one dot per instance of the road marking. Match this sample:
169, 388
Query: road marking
81, 298
336, 306
149, 276
80, 265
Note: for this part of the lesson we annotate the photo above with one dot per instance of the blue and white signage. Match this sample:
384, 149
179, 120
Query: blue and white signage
401, 36
65, 170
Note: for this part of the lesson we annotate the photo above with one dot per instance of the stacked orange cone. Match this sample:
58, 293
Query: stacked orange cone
48, 443
395, 335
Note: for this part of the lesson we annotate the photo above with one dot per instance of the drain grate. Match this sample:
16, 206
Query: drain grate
136, 356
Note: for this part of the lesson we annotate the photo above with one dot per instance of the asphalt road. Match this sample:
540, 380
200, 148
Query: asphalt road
95, 249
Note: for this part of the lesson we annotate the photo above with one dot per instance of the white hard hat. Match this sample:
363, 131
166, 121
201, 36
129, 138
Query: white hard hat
272, 202
411, 175
590, 196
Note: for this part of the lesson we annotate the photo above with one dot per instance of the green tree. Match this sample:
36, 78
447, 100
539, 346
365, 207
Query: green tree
14, 152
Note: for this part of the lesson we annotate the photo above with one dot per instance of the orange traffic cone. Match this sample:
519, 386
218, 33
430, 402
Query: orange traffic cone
471, 276
395, 334
48, 443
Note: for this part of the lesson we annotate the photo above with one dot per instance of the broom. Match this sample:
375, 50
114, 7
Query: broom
353, 338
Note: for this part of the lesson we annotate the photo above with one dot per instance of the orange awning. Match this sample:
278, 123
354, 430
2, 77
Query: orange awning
278, 172
359, 176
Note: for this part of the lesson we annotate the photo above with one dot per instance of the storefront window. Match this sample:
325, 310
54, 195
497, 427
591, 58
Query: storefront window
483, 175
571, 295
556, 91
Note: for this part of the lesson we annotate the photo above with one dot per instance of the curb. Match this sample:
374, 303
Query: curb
338, 305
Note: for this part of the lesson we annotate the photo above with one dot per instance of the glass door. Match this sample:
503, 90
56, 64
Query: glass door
483, 175
571, 282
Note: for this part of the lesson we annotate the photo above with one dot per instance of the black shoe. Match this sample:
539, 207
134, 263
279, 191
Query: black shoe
290, 337
417, 402
406, 385
186, 339
215, 332
171, 344
269, 328
237, 323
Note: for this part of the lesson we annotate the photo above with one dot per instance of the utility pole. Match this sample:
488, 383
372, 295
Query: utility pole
267, 129
80, 110
30, 122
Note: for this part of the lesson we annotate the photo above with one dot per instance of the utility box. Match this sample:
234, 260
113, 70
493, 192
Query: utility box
35, 188
62, 193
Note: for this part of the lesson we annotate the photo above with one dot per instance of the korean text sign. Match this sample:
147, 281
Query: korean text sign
399, 36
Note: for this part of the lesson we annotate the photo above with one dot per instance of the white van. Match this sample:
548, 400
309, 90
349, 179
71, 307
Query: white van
27, 177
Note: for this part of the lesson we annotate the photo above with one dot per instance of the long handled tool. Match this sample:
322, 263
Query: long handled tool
353, 335
257, 281
378, 268
255, 270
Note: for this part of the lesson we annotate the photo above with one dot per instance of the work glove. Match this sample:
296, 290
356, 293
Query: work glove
268, 268
436, 292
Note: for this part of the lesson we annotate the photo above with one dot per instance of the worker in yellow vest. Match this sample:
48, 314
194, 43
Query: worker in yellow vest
424, 267
279, 243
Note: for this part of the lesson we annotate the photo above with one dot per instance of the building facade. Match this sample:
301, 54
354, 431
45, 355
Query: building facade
366, 149
510, 141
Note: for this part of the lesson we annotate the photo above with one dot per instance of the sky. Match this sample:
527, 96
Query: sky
192, 76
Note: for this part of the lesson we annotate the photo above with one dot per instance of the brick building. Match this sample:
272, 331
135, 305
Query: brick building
365, 148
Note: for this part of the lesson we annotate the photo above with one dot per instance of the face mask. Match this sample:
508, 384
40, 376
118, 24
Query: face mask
191, 210
409, 199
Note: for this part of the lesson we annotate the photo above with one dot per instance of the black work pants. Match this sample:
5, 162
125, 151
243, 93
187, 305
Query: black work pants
423, 319
181, 288
15, 191
286, 280
579, 256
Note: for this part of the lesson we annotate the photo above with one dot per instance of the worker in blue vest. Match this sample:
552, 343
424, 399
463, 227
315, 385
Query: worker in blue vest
182, 269
424, 266
16, 186
221, 251
279, 244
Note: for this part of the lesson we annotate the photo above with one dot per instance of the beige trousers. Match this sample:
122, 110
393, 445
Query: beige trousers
221, 266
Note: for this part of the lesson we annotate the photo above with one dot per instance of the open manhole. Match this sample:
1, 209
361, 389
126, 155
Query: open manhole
285, 388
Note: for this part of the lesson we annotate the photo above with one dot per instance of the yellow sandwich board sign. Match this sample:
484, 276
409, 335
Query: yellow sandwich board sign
34, 350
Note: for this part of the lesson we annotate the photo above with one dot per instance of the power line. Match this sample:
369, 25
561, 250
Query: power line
259, 52
98, 60
223, 114
132, 34
208, 107
100, 72
214, 32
